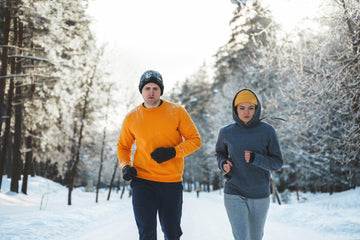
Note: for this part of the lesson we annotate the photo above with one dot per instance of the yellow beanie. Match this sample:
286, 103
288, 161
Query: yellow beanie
245, 96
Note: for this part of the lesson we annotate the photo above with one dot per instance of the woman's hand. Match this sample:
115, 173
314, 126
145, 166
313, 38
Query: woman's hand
247, 156
227, 166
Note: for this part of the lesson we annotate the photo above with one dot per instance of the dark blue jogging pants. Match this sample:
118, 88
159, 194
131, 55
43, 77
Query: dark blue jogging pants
151, 198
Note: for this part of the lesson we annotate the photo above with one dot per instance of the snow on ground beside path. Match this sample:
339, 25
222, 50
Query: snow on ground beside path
319, 217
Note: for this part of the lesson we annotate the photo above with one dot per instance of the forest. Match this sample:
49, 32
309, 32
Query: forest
57, 102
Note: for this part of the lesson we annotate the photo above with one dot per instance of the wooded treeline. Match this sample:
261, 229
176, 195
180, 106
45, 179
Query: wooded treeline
309, 83
50, 86
56, 100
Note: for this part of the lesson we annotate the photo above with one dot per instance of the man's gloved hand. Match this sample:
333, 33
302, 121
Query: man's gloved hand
161, 155
129, 172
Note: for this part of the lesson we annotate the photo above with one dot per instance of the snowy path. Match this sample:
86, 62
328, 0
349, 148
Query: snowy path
320, 217
205, 218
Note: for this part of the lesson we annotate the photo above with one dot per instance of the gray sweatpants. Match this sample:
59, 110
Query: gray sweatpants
247, 216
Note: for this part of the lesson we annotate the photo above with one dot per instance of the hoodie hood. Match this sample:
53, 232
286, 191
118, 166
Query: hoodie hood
256, 118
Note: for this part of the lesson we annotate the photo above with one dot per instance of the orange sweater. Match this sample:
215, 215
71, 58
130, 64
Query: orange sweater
168, 125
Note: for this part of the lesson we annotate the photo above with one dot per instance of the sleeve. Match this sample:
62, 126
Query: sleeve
189, 132
221, 151
124, 145
272, 161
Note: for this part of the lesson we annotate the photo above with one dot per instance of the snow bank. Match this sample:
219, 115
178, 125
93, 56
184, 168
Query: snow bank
44, 214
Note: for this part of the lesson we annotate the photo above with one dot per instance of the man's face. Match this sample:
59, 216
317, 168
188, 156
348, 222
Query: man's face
151, 93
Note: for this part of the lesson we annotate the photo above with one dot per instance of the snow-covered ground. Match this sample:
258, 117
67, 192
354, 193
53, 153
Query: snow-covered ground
44, 214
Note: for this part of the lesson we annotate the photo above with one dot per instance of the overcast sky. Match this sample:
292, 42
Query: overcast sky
173, 37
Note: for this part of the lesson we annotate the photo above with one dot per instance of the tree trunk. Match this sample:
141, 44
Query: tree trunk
102, 152
99, 176
28, 160
123, 190
4, 66
77, 158
7, 139
112, 180
274, 192
29, 152
16, 170
72, 161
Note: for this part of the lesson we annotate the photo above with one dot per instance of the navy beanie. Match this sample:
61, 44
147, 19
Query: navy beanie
151, 76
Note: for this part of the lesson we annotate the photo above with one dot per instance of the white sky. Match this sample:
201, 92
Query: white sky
173, 37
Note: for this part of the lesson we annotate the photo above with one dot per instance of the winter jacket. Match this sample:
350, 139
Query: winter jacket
251, 180
168, 125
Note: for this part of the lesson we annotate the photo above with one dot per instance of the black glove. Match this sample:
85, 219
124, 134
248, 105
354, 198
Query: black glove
163, 154
252, 157
129, 172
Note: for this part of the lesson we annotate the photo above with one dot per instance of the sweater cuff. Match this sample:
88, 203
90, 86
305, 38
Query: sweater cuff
221, 163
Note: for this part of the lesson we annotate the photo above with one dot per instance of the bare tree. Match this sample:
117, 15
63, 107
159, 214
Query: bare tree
112, 180
4, 67
16, 167
4, 62
76, 160
103, 145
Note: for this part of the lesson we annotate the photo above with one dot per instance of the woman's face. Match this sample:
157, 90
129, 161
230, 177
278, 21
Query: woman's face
245, 111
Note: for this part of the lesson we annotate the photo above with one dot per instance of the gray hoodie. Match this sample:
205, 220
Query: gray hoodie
250, 180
